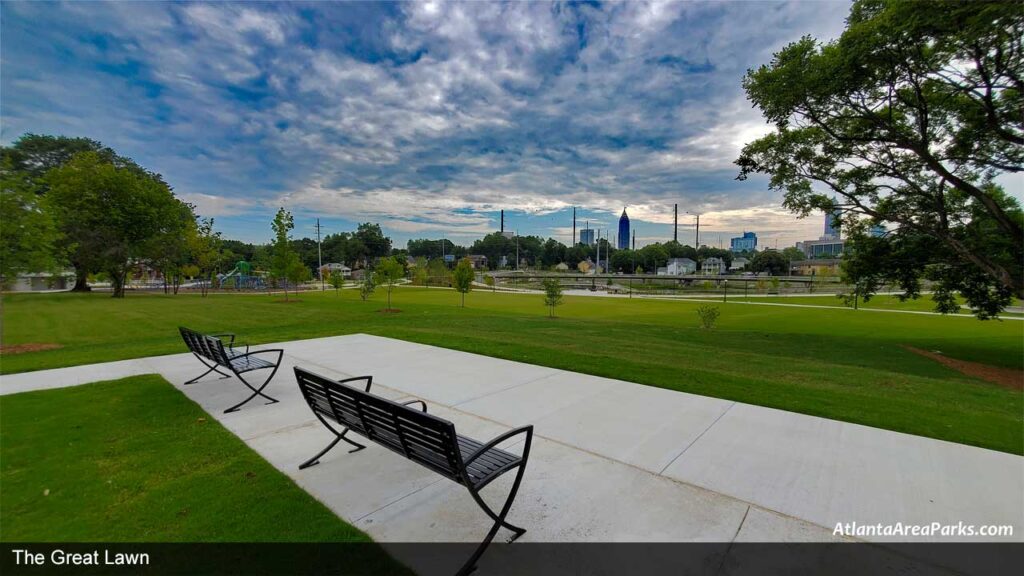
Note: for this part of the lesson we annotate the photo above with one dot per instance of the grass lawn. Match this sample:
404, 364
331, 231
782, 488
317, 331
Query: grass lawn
834, 363
134, 460
880, 302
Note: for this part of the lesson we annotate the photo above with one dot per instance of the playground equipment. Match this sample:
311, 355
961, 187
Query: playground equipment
242, 278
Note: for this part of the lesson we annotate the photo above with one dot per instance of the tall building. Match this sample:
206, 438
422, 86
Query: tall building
587, 236
832, 229
623, 231
746, 242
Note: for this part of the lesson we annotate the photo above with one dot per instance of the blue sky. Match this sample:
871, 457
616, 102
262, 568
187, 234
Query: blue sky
428, 117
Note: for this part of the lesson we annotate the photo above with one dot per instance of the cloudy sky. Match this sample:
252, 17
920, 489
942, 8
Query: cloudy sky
425, 117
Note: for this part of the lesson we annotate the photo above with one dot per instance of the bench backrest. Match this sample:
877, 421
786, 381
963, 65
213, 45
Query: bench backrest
420, 437
208, 347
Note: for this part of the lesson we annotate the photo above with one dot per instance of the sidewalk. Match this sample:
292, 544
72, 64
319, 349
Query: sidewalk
612, 460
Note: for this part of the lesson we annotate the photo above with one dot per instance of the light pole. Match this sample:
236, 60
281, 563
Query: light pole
319, 256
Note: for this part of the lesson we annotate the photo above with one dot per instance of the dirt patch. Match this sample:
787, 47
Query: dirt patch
23, 348
1005, 377
390, 310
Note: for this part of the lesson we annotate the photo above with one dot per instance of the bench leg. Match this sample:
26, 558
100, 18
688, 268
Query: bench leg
255, 392
316, 459
499, 520
212, 368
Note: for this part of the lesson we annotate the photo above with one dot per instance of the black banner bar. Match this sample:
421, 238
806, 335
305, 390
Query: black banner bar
358, 559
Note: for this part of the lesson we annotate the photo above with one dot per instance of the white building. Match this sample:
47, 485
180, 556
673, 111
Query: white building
678, 267
738, 264
713, 266
43, 281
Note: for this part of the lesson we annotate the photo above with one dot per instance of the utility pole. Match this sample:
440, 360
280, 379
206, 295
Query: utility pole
675, 225
319, 256
634, 239
696, 239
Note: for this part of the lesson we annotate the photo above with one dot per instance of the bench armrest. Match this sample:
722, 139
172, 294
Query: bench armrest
408, 402
236, 345
279, 351
498, 440
369, 381
230, 335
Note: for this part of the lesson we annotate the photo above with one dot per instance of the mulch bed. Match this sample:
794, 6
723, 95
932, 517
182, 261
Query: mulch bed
1005, 377
31, 347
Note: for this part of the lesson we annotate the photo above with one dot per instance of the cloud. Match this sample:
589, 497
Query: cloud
426, 116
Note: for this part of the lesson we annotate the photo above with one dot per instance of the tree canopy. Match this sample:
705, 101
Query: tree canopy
908, 118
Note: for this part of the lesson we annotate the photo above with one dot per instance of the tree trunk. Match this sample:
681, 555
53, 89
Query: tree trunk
118, 279
81, 284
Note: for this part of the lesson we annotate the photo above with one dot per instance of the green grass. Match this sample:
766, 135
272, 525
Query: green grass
834, 363
880, 302
134, 460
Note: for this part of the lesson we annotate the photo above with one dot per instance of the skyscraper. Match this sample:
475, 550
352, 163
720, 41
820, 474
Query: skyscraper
832, 229
623, 230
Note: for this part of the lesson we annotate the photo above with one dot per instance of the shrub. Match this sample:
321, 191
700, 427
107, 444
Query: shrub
708, 315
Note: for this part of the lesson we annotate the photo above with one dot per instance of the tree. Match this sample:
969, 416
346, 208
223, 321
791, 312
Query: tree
110, 215
28, 232
366, 287
792, 254
907, 119
389, 271
204, 246
169, 249
770, 261
376, 244
552, 295
462, 278
336, 279
32, 156
284, 256
297, 273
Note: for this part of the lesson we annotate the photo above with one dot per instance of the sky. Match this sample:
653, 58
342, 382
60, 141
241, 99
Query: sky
427, 118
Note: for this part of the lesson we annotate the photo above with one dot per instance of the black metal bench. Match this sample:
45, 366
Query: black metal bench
423, 438
210, 350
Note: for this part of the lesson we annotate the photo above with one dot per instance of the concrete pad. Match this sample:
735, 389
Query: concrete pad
830, 472
566, 496
640, 425
530, 402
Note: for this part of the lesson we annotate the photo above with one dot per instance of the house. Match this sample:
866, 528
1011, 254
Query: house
815, 267
738, 264
713, 266
478, 260
562, 267
680, 266
332, 268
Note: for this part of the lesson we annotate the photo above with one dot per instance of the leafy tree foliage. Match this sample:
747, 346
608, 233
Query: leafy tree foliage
907, 119
462, 278
388, 272
771, 261
285, 260
110, 214
204, 246
28, 232
552, 295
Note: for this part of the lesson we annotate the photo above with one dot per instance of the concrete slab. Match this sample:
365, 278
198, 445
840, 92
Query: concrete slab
640, 425
830, 472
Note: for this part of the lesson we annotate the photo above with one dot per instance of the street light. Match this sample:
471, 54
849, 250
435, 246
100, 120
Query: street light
696, 239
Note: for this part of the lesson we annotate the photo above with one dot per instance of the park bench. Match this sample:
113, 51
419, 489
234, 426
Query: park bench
210, 350
420, 437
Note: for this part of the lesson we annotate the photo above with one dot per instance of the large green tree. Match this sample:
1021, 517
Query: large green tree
908, 119
284, 259
32, 156
111, 214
